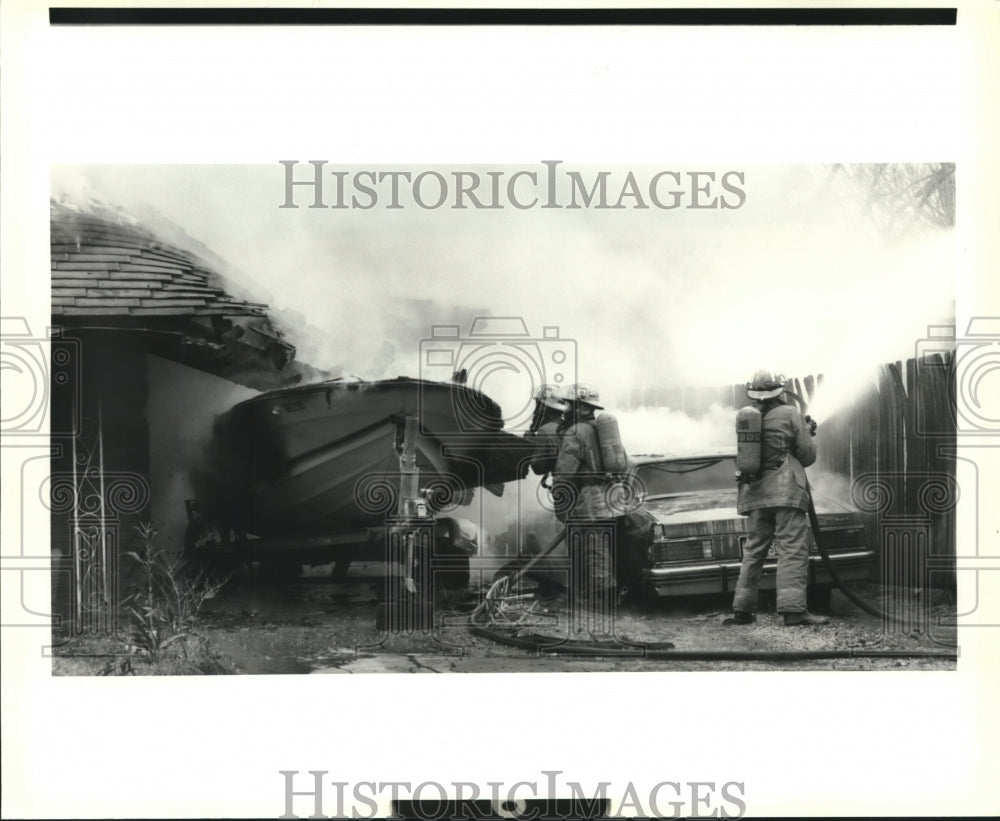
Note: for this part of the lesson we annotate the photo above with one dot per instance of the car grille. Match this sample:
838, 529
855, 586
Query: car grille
679, 551
730, 546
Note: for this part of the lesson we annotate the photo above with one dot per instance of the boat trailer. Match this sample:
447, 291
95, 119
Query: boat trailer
405, 543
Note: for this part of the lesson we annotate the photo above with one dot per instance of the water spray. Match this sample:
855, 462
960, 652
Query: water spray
501, 618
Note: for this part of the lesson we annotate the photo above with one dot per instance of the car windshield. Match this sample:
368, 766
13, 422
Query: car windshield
687, 475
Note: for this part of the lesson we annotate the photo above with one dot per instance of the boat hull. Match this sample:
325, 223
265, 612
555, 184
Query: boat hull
324, 458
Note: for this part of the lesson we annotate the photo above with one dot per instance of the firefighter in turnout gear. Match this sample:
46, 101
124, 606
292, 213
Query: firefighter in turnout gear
580, 499
775, 500
579, 470
547, 427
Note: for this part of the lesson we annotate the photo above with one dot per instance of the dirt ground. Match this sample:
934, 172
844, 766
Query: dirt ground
316, 625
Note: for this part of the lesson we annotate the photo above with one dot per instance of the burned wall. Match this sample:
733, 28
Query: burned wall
183, 404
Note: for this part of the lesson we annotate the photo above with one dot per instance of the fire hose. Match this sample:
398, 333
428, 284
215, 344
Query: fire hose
831, 568
663, 651
825, 556
503, 584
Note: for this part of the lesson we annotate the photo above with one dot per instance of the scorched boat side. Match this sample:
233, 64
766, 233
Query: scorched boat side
323, 458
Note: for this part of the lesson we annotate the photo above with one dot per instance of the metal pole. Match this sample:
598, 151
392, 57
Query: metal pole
409, 479
409, 498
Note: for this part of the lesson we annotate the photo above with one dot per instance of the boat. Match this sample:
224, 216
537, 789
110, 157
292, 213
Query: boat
325, 458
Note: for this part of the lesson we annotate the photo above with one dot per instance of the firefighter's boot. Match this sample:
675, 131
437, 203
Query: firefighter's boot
803, 620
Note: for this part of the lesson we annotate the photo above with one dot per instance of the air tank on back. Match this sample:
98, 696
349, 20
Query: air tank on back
613, 456
748, 445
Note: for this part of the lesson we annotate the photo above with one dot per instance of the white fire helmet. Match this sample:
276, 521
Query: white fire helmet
583, 394
766, 384
549, 395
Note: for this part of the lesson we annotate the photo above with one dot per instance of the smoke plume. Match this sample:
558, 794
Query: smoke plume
801, 278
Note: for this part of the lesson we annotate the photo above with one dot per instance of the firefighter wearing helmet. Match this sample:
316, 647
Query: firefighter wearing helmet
547, 427
579, 465
579, 483
775, 499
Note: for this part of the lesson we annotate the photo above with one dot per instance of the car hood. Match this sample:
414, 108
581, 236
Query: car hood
681, 508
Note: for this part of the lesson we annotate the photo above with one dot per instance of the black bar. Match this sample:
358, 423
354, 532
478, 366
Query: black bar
59, 16
539, 809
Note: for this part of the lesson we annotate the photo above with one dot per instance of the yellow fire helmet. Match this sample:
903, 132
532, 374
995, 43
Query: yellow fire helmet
549, 395
583, 394
766, 384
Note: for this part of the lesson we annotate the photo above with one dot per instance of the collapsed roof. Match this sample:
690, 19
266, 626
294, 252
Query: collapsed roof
112, 273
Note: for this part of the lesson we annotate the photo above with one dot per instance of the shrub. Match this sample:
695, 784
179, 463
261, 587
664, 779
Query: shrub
164, 609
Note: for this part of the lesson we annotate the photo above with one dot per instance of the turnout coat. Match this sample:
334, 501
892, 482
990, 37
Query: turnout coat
580, 488
787, 449
547, 439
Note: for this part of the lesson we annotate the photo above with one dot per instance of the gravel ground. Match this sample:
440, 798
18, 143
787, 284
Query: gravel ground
317, 626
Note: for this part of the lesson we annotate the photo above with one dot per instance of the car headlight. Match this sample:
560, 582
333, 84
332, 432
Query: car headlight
658, 532
842, 538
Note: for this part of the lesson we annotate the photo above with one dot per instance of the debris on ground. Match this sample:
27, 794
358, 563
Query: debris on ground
309, 627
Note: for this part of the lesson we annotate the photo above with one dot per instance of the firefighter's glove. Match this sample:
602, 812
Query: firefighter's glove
811, 423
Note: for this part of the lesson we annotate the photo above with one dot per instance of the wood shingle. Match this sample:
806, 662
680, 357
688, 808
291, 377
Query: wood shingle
104, 265
163, 294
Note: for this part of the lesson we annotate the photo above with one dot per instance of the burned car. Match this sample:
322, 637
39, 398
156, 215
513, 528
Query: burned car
683, 535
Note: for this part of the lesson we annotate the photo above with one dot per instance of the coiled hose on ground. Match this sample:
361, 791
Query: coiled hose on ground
665, 651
